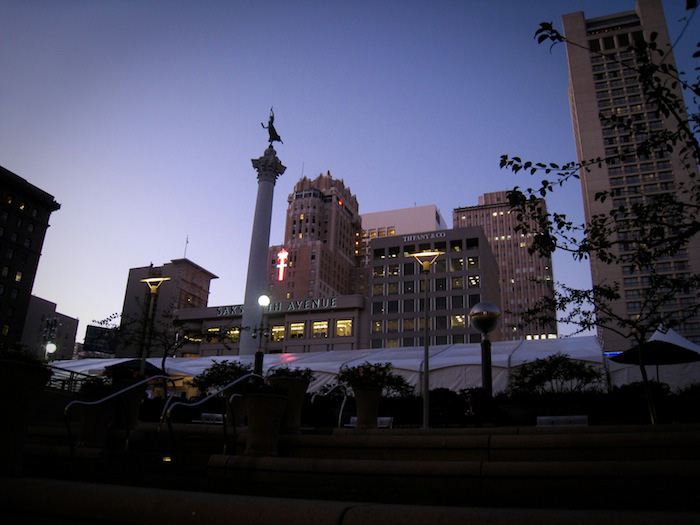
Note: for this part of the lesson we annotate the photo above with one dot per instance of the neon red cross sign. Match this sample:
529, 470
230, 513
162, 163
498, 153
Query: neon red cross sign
282, 257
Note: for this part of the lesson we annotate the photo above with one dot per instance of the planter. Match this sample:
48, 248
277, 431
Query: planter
367, 401
295, 390
265, 412
20, 389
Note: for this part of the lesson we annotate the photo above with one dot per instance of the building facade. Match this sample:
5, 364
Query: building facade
44, 325
303, 325
524, 278
398, 222
600, 83
24, 219
464, 275
184, 285
320, 254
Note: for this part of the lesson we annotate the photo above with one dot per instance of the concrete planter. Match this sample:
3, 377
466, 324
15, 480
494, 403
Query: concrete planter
19, 392
367, 402
265, 412
294, 389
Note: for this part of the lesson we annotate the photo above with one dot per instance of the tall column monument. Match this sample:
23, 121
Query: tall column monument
269, 168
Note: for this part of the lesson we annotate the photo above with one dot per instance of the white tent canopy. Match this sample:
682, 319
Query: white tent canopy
454, 367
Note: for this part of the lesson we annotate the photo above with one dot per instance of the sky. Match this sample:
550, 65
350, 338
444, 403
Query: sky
141, 118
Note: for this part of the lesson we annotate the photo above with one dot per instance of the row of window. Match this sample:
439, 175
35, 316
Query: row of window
457, 264
418, 305
438, 322
439, 284
279, 332
398, 342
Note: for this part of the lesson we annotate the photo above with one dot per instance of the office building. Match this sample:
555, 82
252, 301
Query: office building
181, 284
463, 276
601, 81
24, 219
320, 254
524, 278
44, 326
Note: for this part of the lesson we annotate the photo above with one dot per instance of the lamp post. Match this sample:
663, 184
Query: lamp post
50, 349
264, 302
426, 259
153, 284
484, 318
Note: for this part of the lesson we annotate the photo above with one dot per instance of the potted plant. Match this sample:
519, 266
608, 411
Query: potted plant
294, 382
368, 381
217, 376
24, 377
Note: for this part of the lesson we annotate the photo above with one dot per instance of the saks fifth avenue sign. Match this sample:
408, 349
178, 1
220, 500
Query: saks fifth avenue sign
283, 306
424, 236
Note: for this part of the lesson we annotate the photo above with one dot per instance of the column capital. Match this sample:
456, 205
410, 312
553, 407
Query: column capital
268, 166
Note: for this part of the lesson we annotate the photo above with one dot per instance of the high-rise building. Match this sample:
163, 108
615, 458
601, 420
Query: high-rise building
524, 278
601, 82
24, 219
465, 274
320, 254
181, 284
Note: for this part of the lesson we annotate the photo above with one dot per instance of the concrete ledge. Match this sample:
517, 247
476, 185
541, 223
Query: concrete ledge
58, 502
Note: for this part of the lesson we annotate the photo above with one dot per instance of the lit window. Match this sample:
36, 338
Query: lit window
296, 330
474, 281
343, 328
277, 333
319, 329
18, 277
376, 327
212, 335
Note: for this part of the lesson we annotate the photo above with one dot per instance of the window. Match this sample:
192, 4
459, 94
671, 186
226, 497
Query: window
441, 322
393, 288
233, 335
213, 335
277, 333
472, 243
392, 325
409, 287
474, 299
377, 308
393, 270
377, 327
441, 303
457, 283
457, 321
409, 268
474, 281
296, 330
378, 271
456, 265
392, 307
319, 329
18, 277
409, 325
343, 328
377, 289
472, 262
456, 246
457, 301
441, 284
408, 305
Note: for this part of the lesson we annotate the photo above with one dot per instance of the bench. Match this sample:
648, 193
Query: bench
562, 421
382, 422
210, 419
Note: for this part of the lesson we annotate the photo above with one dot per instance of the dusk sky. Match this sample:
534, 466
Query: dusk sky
141, 118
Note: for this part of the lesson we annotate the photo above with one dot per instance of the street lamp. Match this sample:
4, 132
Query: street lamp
153, 284
50, 350
484, 318
425, 259
264, 302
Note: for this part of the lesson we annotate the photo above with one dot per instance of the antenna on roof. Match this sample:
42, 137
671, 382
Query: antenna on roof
187, 241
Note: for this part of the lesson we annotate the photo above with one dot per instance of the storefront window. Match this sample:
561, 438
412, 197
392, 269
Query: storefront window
319, 329
277, 333
296, 330
343, 328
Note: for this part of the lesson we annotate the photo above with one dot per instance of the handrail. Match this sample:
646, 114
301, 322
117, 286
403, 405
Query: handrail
107, 398
167, 414
71, 380
342, 405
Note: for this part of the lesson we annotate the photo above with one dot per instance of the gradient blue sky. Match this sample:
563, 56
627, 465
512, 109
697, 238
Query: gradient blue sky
141, 117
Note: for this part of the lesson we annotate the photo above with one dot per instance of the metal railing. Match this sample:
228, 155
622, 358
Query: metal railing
342, 405
167, 412
114, 395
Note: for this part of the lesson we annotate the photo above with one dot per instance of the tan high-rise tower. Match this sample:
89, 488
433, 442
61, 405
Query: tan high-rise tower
320, 254
601, 82
524, 278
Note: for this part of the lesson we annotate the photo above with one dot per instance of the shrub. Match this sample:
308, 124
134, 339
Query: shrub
375, 375
218, 375
556, 373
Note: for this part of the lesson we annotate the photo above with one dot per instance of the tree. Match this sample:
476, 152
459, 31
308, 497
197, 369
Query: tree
641, 236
